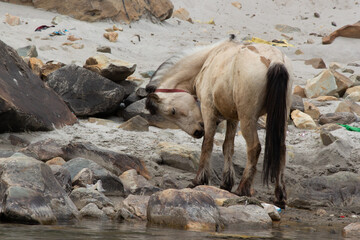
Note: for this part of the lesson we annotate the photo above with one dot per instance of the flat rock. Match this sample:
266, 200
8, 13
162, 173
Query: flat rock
321, 85
317, 63
338, 117
179, 156
303, 120
34, 196
351, 230
85, 92
44, 150
27, 104
110, 182
115, 70
83, 196
137, 184
215, 193
186, 209
250, 215
352, 90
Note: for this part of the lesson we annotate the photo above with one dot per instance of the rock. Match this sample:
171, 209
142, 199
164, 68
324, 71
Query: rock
34, 196
111, 36
36, 65
28, 51
330, 127
299, 91
56, 161
44, 150
237, 5
179, 156
297, 103
92, 211
56, 20
100, 121
133, 97
73, 38
351, 230
327, 138
322, 84
334, 66
320, 212
182, 14
317, 15
104, 49
333, 23
286, 29
168, 181
348, 70
83, 196
137, 184
302, 120
18, 141
48, 68
129, 87
312, 110
85, 92
136, 123
299, 52
215, 193
115, 70
137, 205
110, 212
114, 162
342, 82
271, 211
317, 63
138, 108
249, 215
348, 106
27, 104
110, 182
355, 97
186, 209
337, 117
63, 177
326, 98
352, 90
83, 178
12, 20
355, 79
147, 74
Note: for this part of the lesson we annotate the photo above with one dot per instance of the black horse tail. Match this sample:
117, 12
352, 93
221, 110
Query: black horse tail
276, 108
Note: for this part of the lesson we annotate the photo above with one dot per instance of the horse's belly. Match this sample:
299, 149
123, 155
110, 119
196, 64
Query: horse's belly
225, 106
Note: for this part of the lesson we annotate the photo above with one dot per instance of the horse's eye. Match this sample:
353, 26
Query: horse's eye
173, 111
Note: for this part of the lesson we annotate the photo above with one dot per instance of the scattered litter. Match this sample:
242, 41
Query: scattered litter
97, 186
43, 27
350, 128
342, 216
280, 43
59, 33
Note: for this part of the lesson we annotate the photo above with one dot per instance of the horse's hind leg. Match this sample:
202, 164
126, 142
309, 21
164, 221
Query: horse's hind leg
280, 190
249, 132
203, 173
228, 151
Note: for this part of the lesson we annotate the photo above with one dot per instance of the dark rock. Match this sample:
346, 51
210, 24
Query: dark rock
110, 182
83, 196
25, 102
28, 51
338, 117
297, 103
317, 15
44, 150
317, 63
186, 209
137, 184
34, 196
104, 49
136, 123
133, 97
18, 141
327, 138
138, 108
141, 92
129, 87
62, 175
85, 92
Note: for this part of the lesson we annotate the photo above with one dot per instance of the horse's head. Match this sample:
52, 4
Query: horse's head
179, 107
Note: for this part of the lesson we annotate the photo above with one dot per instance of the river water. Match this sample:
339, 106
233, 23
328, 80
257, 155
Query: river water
112, 231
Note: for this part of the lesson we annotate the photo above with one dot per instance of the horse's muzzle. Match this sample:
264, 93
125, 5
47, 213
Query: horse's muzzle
198, 133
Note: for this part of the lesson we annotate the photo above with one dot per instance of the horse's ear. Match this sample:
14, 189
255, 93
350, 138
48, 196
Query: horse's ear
152, 102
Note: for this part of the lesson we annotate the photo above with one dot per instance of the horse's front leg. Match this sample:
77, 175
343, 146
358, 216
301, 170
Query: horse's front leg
228, 150
203, 173
249, 132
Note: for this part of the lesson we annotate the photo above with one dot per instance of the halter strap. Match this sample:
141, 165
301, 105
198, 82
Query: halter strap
165, 90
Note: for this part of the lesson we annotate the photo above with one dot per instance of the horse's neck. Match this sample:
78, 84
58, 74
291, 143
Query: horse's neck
183, 74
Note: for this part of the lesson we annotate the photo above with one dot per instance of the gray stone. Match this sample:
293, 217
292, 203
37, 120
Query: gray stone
186, 209
323, 84
62, 175
327, 138
110, 182
297, 103
28, 51
104, 49
83, 178
91, 210
137, 205
44, 150
137, 184
128, 86
85, 92
34, 196
83, 196
137, 123
337, 117
249, 215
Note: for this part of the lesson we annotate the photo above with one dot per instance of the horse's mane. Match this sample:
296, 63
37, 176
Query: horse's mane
166, 66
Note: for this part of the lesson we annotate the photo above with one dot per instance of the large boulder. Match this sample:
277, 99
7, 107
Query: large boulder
85, 92
124, 11
321, 85
25, 102
34, 196
115, 70
186, 208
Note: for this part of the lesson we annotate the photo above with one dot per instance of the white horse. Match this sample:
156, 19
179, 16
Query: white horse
233, 82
